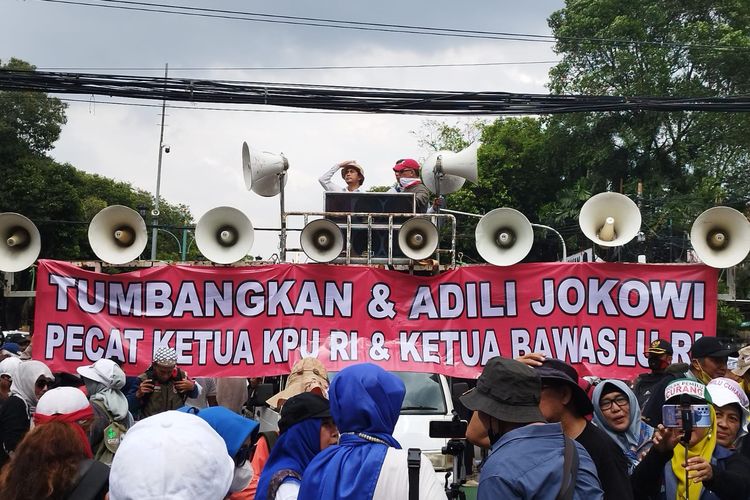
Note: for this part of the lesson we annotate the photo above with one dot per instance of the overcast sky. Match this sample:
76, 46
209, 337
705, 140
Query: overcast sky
203, 168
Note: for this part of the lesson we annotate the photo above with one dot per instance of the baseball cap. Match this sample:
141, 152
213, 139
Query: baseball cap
301, 407
308, 375
743, 361
659, 347
171, 456
406, 163
10, 349
554, 369
725, 391
711, 347
507, 390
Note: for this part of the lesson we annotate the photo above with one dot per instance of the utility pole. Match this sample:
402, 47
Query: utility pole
155, 212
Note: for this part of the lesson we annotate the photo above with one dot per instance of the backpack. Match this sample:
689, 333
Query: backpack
111, 437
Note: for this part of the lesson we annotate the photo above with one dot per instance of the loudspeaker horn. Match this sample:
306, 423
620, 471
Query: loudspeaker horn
20, 242
504, 237
321, 240
418, 238
446, 171
721, 237
117, 234
610, 219
224, 235
261, 171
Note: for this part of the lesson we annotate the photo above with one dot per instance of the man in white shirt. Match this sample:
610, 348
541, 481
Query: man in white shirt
351, 171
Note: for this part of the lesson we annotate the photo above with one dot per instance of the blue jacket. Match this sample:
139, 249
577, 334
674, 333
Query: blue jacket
528, 462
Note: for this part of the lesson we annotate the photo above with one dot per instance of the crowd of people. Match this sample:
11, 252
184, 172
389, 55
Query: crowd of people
678, 432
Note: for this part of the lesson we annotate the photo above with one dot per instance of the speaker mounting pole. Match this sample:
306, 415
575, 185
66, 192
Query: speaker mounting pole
282, 234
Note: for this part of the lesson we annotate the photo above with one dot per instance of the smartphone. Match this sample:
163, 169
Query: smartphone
452, 429
671, 416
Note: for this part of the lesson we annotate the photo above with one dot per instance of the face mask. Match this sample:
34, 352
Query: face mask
408, 181
657, 364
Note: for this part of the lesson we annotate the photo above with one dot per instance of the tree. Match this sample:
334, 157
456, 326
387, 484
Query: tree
28, 120
686, 161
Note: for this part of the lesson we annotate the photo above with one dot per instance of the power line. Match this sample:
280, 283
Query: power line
346, 98
371, 26
295, 68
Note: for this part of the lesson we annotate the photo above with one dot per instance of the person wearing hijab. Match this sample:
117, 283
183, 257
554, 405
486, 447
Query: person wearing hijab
8, 369
617, 413
238, 434
306, 428
103, 381
700, 469
57, 450
732, 411
368, 463
31, 381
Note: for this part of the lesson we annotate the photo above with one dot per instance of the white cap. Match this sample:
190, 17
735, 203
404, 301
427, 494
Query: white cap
61, 401
104, 371
725, 391
171, 456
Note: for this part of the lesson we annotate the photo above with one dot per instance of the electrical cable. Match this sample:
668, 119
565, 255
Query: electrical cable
371, 26
348, 98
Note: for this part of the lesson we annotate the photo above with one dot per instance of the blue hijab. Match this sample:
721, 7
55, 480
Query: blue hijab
365, 399
293, 450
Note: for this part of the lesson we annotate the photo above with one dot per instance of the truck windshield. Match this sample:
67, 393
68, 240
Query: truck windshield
424, 393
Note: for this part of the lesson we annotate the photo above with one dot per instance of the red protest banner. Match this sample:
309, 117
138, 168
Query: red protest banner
258, 320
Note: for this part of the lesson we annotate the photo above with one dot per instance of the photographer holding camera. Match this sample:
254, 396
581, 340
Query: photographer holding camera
163, 386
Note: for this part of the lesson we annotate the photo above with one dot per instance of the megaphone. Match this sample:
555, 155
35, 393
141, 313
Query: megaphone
261, 171
224, 235
418, 238
445, 171
117, 234
504, 236
721, 237
610, 219
20, 242
321, 240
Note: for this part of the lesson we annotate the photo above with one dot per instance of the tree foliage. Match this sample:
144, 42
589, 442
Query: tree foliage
58, 198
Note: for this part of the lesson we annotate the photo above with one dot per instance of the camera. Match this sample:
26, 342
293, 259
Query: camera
454, 429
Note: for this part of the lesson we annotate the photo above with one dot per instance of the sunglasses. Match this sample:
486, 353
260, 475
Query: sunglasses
42, 383
244, 454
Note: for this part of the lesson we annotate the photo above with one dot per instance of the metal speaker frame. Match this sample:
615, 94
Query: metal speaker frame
610, 219
321, 240
224, 235
445, 172
117, 234
261, 169
20, 242
418, 238
504, 236
721, 237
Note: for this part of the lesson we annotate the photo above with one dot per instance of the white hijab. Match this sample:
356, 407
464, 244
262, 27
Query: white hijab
24, 383
9, 366
103, 380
